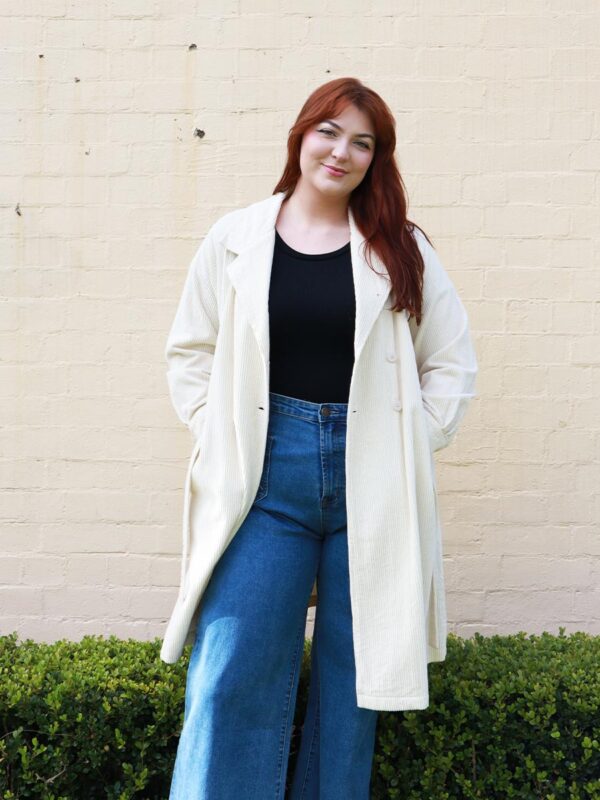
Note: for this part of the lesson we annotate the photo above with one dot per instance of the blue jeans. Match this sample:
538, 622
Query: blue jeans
244, 667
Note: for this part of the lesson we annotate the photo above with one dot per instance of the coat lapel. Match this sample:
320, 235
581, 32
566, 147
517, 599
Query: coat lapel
252, 239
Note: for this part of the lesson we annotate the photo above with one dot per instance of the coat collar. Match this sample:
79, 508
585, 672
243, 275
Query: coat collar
251, 236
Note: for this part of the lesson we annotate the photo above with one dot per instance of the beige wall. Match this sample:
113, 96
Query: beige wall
498, 120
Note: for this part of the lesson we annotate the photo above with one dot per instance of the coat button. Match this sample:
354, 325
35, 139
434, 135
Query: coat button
398, 405
391, 356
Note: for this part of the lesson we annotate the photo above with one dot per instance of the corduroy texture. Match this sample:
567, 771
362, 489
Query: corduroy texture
409, 391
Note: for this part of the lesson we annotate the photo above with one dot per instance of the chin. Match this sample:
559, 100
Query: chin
329, 187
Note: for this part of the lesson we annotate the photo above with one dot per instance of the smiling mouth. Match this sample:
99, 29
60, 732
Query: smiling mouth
333, 170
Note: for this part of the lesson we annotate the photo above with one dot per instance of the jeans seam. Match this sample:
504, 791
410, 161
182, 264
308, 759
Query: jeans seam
282, 765
313, 738
263, 486
323, 475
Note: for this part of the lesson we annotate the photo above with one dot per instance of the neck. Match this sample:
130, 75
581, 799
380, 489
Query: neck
313, 210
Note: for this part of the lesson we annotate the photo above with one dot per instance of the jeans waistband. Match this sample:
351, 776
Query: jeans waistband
305, 409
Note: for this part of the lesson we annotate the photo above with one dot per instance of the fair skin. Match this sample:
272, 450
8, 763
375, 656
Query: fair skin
315, 218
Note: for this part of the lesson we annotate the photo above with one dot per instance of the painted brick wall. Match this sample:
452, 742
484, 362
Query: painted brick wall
107, 192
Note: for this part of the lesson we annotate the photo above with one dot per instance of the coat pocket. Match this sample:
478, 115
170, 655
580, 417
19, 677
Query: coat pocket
437, 437
263, 486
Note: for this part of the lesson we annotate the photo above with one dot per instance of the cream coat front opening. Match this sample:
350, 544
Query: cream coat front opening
409, 391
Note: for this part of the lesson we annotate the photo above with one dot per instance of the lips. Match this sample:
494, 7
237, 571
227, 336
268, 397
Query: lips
334, 171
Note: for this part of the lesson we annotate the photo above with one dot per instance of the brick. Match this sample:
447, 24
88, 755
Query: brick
21, 600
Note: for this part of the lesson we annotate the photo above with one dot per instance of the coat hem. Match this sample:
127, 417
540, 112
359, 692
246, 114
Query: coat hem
382, 703
170, 658
436, 653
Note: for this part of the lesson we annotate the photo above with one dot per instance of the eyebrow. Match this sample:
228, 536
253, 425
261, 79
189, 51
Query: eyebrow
339, 127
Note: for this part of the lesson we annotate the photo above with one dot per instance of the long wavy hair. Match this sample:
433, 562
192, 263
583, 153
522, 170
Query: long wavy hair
379, 203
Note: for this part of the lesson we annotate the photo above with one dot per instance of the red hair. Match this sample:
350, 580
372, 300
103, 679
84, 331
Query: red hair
379, 203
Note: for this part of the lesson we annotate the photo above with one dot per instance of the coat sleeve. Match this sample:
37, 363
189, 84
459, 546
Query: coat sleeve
444, 351
192, 339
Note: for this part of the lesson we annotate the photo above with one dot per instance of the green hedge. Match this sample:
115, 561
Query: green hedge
509, 717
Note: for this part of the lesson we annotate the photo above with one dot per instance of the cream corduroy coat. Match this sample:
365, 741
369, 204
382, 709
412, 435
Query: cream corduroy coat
409, 390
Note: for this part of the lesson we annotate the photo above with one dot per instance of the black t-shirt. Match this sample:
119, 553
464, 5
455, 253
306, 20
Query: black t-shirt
311, 323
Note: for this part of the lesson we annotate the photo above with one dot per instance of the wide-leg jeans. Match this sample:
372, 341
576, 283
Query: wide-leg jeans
245, 664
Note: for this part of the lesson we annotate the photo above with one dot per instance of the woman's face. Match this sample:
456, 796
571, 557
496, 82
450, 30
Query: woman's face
346, 142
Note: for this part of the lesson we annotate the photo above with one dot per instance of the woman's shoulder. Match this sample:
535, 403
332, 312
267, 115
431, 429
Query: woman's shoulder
242, 219
435, 276
225, 222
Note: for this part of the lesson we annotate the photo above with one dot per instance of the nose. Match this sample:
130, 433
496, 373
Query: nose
340, 151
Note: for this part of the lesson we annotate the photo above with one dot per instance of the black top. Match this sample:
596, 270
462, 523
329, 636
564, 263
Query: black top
311, 323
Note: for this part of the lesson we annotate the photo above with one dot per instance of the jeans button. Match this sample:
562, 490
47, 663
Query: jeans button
326, 411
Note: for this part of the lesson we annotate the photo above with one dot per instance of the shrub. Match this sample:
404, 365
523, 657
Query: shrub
509, 717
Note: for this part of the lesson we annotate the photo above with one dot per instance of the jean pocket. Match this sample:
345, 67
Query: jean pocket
263, 486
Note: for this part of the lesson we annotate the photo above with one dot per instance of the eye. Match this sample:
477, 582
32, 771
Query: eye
328, 130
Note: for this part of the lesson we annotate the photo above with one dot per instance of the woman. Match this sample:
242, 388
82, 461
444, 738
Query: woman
318, 376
